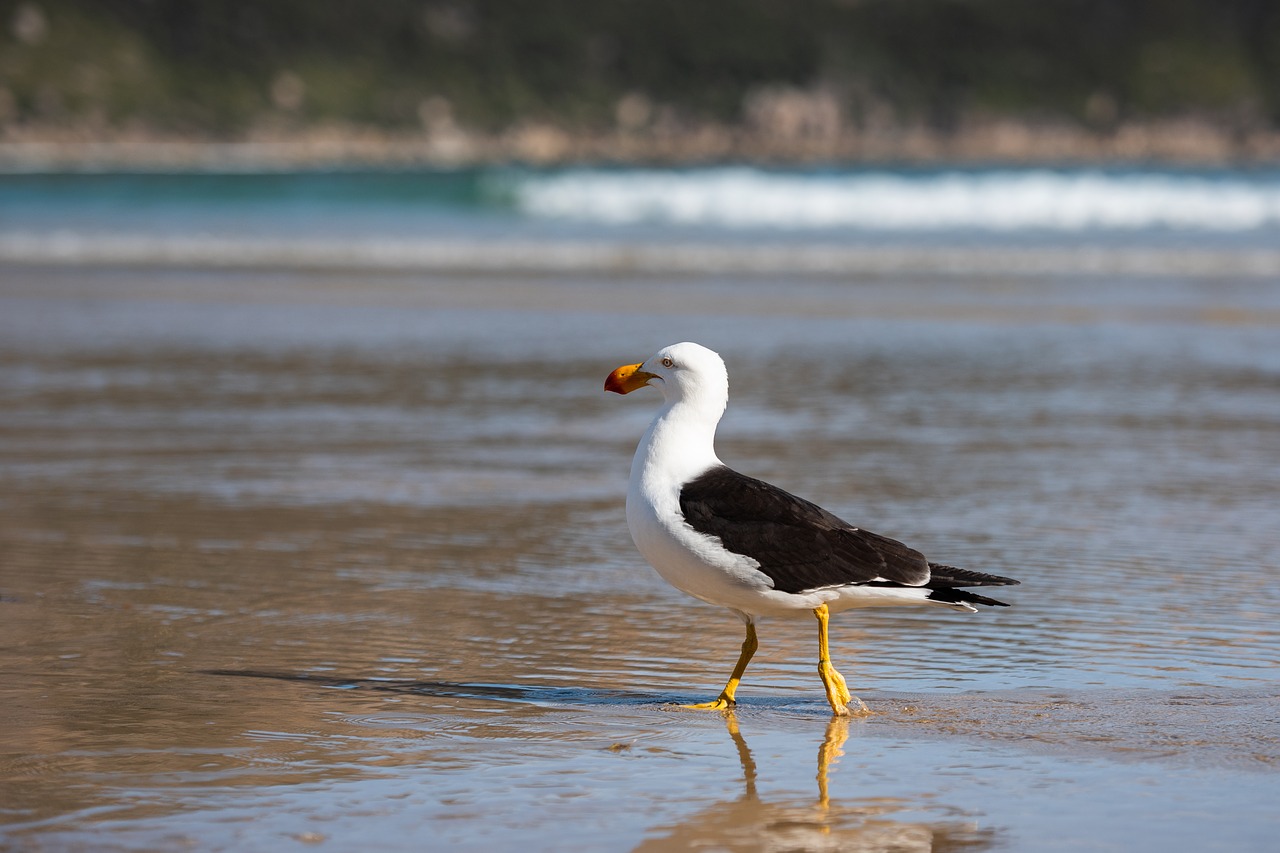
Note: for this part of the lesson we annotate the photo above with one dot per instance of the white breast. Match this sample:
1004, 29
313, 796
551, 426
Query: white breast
673, 451
690, 561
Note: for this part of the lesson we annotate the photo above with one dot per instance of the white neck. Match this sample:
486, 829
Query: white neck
679, 444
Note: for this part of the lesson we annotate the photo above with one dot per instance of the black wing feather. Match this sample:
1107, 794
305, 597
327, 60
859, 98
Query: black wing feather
798, 544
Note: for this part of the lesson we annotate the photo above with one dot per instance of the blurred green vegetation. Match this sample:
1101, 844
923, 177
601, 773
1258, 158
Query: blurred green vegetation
218, 67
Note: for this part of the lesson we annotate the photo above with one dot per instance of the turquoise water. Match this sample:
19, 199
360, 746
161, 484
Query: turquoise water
714, 221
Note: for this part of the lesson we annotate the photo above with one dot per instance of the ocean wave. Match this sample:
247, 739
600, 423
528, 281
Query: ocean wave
996, 200
617, 257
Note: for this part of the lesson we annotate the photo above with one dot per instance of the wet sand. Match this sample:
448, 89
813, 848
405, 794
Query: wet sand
303, 560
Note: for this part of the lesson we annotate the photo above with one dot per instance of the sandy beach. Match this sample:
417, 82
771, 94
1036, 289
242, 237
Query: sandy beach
1180, 141
304, 558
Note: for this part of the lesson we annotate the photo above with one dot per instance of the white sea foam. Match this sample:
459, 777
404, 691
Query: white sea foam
706, 221
996, 200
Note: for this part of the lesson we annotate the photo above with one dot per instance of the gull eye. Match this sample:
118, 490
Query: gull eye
667, 362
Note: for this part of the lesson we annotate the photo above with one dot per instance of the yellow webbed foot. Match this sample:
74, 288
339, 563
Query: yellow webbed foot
725, 700
720, 704
839, 704
842, 689
843, 703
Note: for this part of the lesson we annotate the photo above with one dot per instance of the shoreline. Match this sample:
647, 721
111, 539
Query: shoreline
1174, 143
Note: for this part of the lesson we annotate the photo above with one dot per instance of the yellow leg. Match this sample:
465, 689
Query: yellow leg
725, 700
831, 749
744, 753
837, 691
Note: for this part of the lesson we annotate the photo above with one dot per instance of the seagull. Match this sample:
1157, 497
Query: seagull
741, 543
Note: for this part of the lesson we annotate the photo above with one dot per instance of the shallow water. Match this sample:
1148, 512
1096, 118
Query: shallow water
301, 559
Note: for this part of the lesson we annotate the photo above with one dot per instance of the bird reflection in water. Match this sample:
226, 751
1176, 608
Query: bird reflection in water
747, 822
790, 823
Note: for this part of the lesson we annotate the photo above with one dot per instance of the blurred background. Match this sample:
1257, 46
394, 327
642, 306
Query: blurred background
555, 80
140, 129
305, 312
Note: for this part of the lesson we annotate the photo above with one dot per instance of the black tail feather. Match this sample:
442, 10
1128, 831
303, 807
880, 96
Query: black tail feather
949, 577
951, 595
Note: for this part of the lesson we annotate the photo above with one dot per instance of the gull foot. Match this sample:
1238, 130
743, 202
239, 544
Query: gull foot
842, 689
721, 704
838, 695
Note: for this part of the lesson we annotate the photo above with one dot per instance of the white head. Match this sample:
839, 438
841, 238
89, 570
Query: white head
685, 373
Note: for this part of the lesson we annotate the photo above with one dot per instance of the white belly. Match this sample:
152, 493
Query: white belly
688, 560
698, 565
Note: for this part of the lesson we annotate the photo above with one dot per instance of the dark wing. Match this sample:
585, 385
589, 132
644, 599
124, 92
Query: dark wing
798, 544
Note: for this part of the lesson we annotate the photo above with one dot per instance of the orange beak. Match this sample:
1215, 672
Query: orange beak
627, 378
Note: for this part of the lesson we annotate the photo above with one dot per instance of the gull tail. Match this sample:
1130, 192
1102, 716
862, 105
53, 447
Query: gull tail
946, 582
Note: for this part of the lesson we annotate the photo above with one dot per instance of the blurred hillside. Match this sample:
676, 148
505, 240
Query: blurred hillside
462, 80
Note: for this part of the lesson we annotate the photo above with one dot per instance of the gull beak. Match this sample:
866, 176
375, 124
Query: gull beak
627, 378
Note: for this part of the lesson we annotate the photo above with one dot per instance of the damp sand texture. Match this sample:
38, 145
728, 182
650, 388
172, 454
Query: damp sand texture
325, 559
